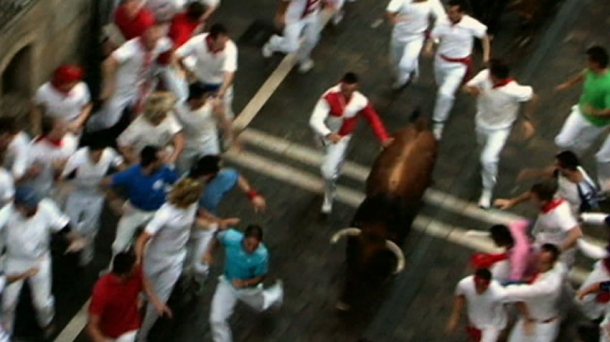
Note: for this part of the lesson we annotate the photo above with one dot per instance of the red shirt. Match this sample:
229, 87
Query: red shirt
132, 28
180, 31
116, 303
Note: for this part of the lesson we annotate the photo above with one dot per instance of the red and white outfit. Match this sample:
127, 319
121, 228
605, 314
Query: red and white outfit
408, 34
335, 114
497, 109
302, 18
42, 153
553, 225
486, 314
58, 104
541, 298
134, 81
453, 61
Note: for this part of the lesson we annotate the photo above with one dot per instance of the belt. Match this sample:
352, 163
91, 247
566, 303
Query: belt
467, 61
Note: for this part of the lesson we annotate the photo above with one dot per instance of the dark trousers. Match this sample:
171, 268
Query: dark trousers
109, 135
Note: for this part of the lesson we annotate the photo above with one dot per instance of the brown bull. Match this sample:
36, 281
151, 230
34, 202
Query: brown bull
394, 189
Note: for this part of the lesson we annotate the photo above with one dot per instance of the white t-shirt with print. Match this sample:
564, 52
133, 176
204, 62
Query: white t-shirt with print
141, 133
209, 67
497, 108
89, 174
60, 105
486, 309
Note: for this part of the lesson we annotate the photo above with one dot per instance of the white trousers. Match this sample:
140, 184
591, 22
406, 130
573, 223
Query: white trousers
492, 141
542, 332
449, 77
84, 210
40, 286
334, 158
163, 274
404, 56
127, 337
127, 226
198, 245
490, 334
309, 27
111, 111
225, 298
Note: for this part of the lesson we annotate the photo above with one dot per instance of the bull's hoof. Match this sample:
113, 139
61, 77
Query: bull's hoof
341, 306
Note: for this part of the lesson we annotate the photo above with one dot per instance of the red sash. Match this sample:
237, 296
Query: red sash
467, 61
474, 333
310, 7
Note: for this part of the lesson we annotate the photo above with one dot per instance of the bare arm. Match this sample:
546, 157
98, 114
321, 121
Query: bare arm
94, 331
178, 143
109, 70
226, 83
486, 42
530, 108
140, 245
458, 305
578, 78
573, 235
505, 204
157, 303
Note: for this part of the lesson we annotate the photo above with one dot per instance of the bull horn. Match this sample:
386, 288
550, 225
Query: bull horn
345, 231
398, 252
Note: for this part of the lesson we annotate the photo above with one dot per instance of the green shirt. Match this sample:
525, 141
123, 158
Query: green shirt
596, 92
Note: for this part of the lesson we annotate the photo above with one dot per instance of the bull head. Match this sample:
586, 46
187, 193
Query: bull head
391, 246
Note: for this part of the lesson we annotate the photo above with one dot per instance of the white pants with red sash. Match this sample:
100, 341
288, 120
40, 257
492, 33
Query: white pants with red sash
449, 77
308, 27
404, 55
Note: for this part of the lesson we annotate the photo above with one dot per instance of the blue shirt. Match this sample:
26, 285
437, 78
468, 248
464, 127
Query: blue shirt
217, 188
238, 263
145, 192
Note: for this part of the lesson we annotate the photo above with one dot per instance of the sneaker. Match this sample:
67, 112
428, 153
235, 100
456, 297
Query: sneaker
305, 66
338, 17
437, 130
267, 52
485, 199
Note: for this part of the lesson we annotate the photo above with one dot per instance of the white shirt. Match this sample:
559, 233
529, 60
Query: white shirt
569, 191
4, 337
497, 108
209, 67
141, 133
414, 17
199, 128
42, 153
300, 9
486, 309
7, 186
18, 147
89, 174
131, 57
60, 105
165, 9
26, 238
170, 228
456, 41
540, 297
331, 111
553, 226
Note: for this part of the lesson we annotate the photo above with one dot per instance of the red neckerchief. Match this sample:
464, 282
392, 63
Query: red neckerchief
503, 82
210, 44
54, 143
551, 205
474, 333
59, 90
533, 278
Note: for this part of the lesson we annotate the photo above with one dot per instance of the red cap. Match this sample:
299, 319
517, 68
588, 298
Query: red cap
67, 74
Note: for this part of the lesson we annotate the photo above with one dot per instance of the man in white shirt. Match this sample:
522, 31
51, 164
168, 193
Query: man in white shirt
411, 19
26, 226
157, 126
13, 142
84, 170
215, 62
453, 60
540, 298
7, 185
128, 79
333, 120
555, 224
484, 300
498, 100
46, 157
299, 18
65, 96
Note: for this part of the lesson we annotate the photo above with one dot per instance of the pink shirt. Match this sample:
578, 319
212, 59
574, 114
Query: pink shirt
519, 255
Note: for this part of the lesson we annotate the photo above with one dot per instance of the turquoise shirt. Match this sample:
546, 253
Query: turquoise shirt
238, 263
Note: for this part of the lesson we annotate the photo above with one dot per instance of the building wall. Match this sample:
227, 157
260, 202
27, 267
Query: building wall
53, 32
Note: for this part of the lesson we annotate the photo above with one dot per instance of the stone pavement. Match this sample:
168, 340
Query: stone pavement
416, 305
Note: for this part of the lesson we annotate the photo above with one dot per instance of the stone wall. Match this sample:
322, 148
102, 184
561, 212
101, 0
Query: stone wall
47, 34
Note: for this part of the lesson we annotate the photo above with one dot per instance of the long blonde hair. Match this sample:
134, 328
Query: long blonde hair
184, 193
158, 105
